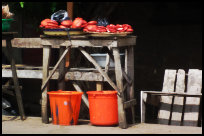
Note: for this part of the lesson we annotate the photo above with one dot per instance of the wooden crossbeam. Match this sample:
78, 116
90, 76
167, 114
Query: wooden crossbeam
192, 104
88, 56
173, 94
55, 67
84, 98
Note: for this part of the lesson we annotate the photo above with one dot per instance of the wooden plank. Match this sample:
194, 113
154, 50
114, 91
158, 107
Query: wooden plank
70, 75
84, 98
143, 99
129, 69
173, 94
88, 69
191, 111
177, 108
62, 70
99, 86
15, 79
9, 66
107, 63
56, 43
83, 76
127, 42
166, 101
119, 81
55, 67
46, 62
76, 42
29, 74
24, 43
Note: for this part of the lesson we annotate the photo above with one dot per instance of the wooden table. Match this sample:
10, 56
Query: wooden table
124, 76
8, 36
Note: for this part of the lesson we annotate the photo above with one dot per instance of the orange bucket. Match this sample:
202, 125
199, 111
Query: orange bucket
65, 107
103, 107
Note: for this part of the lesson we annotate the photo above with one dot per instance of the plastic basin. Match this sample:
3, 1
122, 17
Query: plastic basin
101, 59
6, 24
65, 107
103, 107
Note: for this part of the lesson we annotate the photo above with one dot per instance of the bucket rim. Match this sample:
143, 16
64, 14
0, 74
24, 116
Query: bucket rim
60, 92
102, 92
8, 19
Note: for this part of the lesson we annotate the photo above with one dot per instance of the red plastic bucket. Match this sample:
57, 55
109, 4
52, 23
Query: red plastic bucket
65, 107
103, 107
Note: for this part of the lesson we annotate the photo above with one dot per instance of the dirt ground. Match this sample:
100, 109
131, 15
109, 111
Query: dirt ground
34, 125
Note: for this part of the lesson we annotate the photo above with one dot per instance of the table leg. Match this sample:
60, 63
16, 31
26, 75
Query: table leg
62, 70
129, 69
119, 81
143, 99
15, 79
46, 62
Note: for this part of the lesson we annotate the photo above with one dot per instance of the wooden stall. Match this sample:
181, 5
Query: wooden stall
124, 75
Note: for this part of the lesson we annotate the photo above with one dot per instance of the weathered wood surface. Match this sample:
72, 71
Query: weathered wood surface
57, 42
70, 75
21, 66
129, 69
107, 63
62, 69
83, 76
184, 114
177, 108
84, 98
25, 43
55, 67
127, 42
15, 79
166, 101
191, 112
99, 86
36, 74
99, 69
45, 71
123, 72
171, 94
143, 99
119, 81
28, 67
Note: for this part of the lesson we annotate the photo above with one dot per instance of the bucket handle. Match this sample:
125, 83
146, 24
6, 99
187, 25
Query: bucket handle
119, 94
